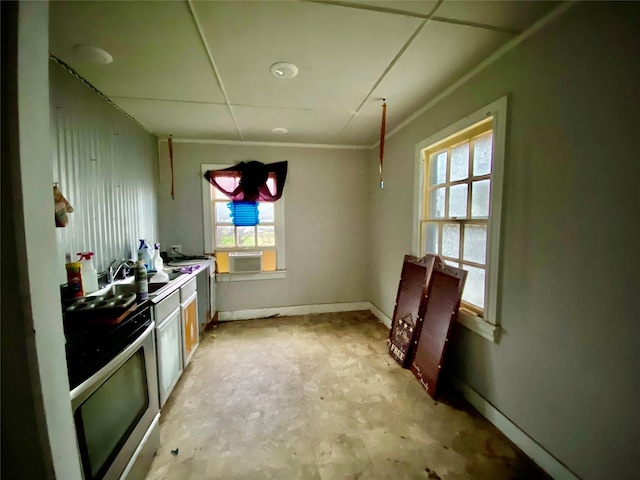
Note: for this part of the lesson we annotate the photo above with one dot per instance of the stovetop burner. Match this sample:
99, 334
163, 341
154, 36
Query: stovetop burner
91, 348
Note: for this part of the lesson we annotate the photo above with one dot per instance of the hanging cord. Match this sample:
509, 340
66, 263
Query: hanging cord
382, 129
170, 142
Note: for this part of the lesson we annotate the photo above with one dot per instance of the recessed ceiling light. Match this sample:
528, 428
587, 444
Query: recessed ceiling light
284, 70
92, 54
280, 130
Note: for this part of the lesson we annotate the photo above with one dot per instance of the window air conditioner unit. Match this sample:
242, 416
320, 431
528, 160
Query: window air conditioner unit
243, 262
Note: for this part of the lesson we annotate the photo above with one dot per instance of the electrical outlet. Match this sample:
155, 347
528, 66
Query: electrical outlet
176, 248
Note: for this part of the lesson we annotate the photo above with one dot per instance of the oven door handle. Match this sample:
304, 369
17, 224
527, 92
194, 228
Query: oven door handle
86, 388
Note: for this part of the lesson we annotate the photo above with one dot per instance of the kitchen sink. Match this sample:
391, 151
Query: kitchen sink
154, 287
174, 275
171, 274
124, 288
128, 286
120, 288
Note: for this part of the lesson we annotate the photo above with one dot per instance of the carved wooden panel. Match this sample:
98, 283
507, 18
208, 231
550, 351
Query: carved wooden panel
432, 332
408, 309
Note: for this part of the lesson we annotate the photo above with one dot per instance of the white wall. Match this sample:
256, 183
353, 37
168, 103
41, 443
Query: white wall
38, 433
106, 166
566, 369
326, 213
36, 311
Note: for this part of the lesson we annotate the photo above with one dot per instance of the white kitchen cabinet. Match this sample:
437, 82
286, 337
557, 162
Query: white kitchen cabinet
167, 314
168, 336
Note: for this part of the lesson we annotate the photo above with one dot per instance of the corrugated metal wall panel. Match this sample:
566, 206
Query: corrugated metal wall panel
106, 166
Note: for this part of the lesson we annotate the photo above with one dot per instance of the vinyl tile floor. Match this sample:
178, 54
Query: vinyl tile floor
318, 397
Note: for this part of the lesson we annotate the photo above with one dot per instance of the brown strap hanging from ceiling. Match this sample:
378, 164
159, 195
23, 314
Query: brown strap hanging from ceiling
170, 142
382, 128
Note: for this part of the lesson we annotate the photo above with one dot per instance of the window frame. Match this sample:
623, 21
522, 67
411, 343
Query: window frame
446, 147
209, 225
487, 324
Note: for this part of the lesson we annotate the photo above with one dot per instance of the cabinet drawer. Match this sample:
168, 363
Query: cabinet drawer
187, 290
166, 306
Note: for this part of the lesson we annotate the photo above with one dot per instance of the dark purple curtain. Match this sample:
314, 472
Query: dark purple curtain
250, 181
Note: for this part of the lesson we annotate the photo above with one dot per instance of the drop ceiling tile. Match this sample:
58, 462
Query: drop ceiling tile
364, 129
181, 119
366, 125
516, 14
156, 48
341, 52
422, 7
304, 126
440, 55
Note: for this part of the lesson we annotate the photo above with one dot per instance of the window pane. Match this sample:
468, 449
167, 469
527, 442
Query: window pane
451, 240
222, 213
458, 201
430, 238
271, 184
452, 264
475, 243
474, 286
482, 149
436, 203
266, 236
218, 195
460, 162
246, 236
266, 212
228, 183
225, 237
269, 261
480, 199
439, 168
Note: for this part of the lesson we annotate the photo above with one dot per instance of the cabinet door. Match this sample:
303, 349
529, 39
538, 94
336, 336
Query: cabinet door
190, 328
169, 341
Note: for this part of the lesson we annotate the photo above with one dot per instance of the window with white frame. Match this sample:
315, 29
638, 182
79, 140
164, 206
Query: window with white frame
223, 238
459, 208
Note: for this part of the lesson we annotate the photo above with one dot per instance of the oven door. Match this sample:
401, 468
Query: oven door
114, 408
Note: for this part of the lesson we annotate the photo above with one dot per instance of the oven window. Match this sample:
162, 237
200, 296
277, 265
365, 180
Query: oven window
106, 419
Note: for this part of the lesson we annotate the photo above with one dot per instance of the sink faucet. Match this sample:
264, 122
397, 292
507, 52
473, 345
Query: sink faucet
123, 265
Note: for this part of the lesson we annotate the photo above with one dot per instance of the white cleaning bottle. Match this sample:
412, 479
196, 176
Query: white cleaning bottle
89, 272
157, 259
145, 255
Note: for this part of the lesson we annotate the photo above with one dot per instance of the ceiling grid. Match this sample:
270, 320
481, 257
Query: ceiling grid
200, 70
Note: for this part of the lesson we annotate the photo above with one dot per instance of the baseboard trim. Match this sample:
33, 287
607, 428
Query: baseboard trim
380, 314
292, 310
529, 446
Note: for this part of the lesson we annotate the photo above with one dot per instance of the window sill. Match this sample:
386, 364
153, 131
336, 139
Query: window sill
243, 277
478, 325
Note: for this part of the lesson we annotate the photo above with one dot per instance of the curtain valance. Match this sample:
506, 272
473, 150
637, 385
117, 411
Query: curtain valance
250, 181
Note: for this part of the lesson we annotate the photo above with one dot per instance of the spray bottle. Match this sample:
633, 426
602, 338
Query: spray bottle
158, 264
89, 272
145, 255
